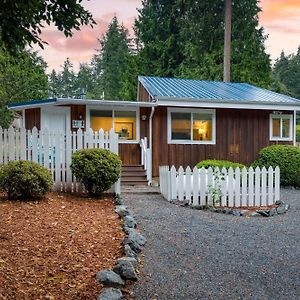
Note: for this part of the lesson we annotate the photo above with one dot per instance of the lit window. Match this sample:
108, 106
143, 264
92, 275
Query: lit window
191, 127
123, 122
281, 127
101, 119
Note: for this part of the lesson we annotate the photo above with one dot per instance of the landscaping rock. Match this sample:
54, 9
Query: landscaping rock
135, 240
110, 278
279, 202
281, 210
264, 213
118, 200
126, 270
236, 213
286, 207
125, 260
110, 294
272, 212
129, 252
129, 222
227, 211
122, 211
255, 214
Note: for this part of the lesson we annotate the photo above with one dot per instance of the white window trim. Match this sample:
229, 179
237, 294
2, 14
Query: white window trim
197, 111
113, 109
281, 117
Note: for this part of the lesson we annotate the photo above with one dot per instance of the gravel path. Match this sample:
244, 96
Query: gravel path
194, 254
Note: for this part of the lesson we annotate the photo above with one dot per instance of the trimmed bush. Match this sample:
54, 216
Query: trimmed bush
25, 180
213, 163
287, 158
97, 169
298, 133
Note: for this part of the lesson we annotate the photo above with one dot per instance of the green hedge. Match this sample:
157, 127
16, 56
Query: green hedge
287, 158
25, 180
298, 133
218, 163
97, 169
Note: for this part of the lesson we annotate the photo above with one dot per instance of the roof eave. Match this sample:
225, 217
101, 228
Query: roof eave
211, 103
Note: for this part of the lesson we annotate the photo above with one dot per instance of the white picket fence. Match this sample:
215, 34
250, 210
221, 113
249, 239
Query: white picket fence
232, 188
54, 150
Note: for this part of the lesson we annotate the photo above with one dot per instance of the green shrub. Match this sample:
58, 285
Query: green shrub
24, 180
97, 169
298, 133
218, 163
287, 158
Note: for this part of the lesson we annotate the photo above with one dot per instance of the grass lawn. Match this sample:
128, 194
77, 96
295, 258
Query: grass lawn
53, 248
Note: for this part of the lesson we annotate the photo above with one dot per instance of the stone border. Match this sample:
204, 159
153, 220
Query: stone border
280, 208
125, 268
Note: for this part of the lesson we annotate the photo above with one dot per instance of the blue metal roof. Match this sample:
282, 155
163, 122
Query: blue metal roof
32, 102
217, 91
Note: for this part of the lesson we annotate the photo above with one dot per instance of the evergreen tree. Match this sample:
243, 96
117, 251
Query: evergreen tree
22, 78
185, 38
67, 80
54, 84
286, 72
84, 83
110, 61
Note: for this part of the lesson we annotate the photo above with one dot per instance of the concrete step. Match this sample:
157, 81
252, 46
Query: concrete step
133, 173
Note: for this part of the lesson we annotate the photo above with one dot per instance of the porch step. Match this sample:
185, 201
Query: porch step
133, 175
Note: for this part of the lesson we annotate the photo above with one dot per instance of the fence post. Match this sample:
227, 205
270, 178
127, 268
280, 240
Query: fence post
263, 186
250, 188
173, 183
257, 186
277, 184
195, 186
237, 191
230, 187
270, 186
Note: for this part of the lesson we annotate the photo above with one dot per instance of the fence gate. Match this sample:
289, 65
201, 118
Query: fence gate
54, 150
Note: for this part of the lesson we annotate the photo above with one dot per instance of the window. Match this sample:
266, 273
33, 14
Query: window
123, 122
281, 127
191, 127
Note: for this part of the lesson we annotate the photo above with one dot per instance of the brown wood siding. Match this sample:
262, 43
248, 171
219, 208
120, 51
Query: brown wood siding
33, 118
130, 154
143, 95
240, 135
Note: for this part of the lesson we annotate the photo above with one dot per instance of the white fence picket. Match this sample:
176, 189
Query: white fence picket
195, 186
188, 184
263, 186
180, 184
238, 188
270, 186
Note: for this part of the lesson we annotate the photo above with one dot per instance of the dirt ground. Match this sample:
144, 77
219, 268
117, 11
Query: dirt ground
52, 249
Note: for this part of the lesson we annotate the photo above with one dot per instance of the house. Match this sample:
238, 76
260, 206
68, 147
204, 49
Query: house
185, 121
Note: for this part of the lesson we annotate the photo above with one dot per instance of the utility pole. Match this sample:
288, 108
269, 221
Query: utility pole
227, 40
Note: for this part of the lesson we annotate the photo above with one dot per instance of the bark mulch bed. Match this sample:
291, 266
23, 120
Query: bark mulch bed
52, 249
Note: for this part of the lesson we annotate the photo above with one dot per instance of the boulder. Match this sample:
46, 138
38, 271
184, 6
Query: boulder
281, 210
110, 278
237, 213
125, 260
126, 270
110, 294
129, 222
129, 252
264, 213
122, 210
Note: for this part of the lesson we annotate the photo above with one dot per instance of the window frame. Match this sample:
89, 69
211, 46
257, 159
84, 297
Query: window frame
281, 117
113, 110
191, 111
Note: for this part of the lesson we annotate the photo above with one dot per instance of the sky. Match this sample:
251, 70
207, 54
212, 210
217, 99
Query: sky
280, 18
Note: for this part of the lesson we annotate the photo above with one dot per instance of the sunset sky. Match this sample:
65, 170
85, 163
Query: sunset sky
280, 18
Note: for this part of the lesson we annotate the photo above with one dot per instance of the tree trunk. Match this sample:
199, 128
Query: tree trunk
227, 40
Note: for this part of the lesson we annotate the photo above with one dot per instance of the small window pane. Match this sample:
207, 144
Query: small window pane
181, 126
285, 128
202, 127
276, 127
125, 124
101, 119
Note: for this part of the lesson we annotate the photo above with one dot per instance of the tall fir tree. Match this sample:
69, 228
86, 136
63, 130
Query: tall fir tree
84, 83
185, 38
110, 61
286, 72
67, 80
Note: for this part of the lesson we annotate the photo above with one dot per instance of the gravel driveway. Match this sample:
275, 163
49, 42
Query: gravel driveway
194, 254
